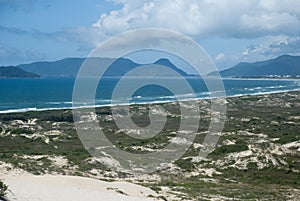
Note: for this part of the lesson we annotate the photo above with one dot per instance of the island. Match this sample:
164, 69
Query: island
15, 72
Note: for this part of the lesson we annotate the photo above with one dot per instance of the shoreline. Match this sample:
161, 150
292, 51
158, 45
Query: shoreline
24, 110
262, 78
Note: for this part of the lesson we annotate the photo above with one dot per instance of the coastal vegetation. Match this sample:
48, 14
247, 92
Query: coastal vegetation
3, 189
257, 156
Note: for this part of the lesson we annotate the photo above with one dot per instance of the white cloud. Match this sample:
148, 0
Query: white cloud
219, 57
273, 46
198, 18
276, 21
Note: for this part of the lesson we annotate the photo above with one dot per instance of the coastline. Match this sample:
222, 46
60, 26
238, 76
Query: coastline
262, 78
22, 110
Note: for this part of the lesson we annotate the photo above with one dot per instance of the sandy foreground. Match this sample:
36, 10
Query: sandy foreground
72, 188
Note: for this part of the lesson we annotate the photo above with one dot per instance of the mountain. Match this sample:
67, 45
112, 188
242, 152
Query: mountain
283, 66
14, 72
63, 68
167, 63
69, 67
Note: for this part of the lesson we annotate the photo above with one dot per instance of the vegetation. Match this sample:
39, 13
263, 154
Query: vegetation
21, 131
264, 125
3, 189
226, 149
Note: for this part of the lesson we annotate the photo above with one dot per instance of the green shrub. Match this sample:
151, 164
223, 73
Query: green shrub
185, 165
287, 138
21, 131
3, 188
226, 149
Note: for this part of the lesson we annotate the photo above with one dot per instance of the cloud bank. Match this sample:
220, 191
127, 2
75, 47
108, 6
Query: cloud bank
276, 21
272, 47
202, 18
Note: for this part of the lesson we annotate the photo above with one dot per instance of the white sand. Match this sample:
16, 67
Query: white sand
72, 188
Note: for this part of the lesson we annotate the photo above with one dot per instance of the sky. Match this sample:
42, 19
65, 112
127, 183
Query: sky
230, 31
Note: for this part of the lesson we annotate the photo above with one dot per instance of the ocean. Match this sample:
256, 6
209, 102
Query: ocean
19, 95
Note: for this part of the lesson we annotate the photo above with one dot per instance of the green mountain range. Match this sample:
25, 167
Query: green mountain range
283, 66
69, 67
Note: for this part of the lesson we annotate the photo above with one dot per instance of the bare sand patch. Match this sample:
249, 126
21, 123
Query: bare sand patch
65, 188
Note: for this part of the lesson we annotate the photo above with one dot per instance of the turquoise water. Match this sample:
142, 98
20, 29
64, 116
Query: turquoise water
50, 93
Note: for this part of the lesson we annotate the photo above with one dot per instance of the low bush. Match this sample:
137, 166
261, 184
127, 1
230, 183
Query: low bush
3, 189
226, 149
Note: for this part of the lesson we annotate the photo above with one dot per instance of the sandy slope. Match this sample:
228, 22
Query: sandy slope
72, 188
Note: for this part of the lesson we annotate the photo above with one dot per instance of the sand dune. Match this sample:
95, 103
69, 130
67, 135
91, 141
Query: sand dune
72, 188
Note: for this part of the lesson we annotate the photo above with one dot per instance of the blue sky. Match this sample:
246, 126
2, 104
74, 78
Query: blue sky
230, 31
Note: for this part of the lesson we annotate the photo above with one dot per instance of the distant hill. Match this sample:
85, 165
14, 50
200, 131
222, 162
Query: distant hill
69, 67
63, 68
14, 72
283, 66
167, 63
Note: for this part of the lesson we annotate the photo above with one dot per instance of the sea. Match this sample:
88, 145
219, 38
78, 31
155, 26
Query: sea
21, 95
